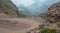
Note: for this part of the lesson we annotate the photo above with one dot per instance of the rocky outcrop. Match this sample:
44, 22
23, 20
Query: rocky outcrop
54, 12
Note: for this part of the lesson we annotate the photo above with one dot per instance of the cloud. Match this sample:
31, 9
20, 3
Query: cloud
30, 2
24, 2
27, 2
42, 0
16, 2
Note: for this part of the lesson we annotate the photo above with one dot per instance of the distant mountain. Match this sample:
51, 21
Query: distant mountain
35, 8
8, 9
25, 10
38, 8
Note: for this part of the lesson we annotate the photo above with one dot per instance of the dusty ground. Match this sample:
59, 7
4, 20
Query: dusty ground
18, 25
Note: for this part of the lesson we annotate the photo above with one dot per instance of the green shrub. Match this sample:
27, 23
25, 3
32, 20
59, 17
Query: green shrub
48, 30
58, 23
41, 26
28, 32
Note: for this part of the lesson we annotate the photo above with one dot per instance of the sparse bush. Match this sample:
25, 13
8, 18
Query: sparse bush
43, 15
28, 32
41, 26
48, 30
58, 23
20, 14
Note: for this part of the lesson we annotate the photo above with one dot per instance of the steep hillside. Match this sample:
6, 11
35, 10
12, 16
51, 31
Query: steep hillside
8, 9
54, 12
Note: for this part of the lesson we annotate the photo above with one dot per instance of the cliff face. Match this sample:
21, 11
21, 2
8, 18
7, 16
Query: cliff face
54, 12
8, 9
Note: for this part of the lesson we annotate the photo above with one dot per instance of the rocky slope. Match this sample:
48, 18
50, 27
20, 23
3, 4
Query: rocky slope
8, 9
54, 12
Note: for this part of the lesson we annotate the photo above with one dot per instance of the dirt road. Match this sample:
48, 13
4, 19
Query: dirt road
18, 25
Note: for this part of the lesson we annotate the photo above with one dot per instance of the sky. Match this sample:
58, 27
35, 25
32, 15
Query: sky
30, 2
24, 2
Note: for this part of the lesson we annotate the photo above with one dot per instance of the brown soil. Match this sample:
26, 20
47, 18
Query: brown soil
18, 25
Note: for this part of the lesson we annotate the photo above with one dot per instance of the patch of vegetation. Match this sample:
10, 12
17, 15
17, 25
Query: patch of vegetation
58, 23
28, 32
43, 15
5, 8
7, 11
21, 14
48, 30
41, 26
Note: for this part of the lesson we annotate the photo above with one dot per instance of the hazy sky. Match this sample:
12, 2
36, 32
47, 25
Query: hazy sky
25, 2
29, 2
